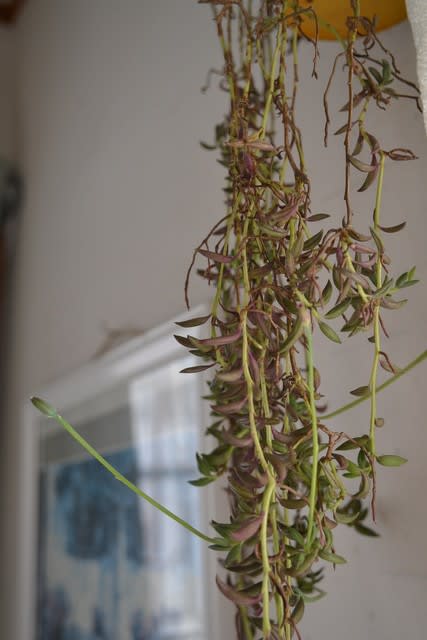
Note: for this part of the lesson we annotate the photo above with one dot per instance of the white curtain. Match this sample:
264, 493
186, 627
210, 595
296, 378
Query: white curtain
417, 12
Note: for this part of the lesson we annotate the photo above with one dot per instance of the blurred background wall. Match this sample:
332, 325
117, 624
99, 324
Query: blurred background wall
8, 133
101, 105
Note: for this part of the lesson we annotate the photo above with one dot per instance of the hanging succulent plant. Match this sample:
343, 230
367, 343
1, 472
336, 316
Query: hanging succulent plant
279, 281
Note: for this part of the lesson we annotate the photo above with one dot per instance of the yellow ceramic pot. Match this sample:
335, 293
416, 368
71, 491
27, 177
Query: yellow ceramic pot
388, 12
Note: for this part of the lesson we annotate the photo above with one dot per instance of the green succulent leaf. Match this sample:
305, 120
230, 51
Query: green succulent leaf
391, 460
329, 332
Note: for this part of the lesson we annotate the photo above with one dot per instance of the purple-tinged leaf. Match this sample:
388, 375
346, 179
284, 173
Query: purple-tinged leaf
249, 164
318, 216
360, 237
261, 145
329, 524
356, 101
216, 257
254, 368
220, 341
390, 303
361, 166
387, 365
231, 407
377, 240
230, 376
401, 154
193, 322
373, 143
249, 481
185, 342
357, 277
279, 466
285, 438
359, 248
371, 177
198, 368
342, 460
237, 597
394, 229
235, 441
359, 145
247, 529
285, 214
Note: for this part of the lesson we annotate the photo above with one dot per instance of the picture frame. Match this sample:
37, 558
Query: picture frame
95, 558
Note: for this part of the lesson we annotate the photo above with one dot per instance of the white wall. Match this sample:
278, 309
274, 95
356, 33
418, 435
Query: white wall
118, 194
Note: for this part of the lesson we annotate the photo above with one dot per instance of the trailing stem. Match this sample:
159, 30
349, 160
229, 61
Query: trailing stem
314, 430
376, 322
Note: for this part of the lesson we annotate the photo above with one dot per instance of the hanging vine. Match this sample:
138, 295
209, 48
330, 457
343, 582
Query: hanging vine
275, 276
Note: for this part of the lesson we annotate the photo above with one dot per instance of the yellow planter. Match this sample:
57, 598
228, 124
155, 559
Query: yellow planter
335, 12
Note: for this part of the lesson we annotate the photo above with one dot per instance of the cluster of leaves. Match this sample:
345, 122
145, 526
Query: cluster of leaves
290, 477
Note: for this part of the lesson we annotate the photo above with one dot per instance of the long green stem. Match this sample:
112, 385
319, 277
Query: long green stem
272, 78
287, 429
280, 612
350, 405
227, 53
247, 629
266, 568
315, 435
50, 412
271, 482
250, 394
377, 337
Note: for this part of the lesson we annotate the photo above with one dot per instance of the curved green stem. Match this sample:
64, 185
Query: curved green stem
50, 412
247, 629
350, 405
266, 568
315, 435
377, 336
272, 78
280, 612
